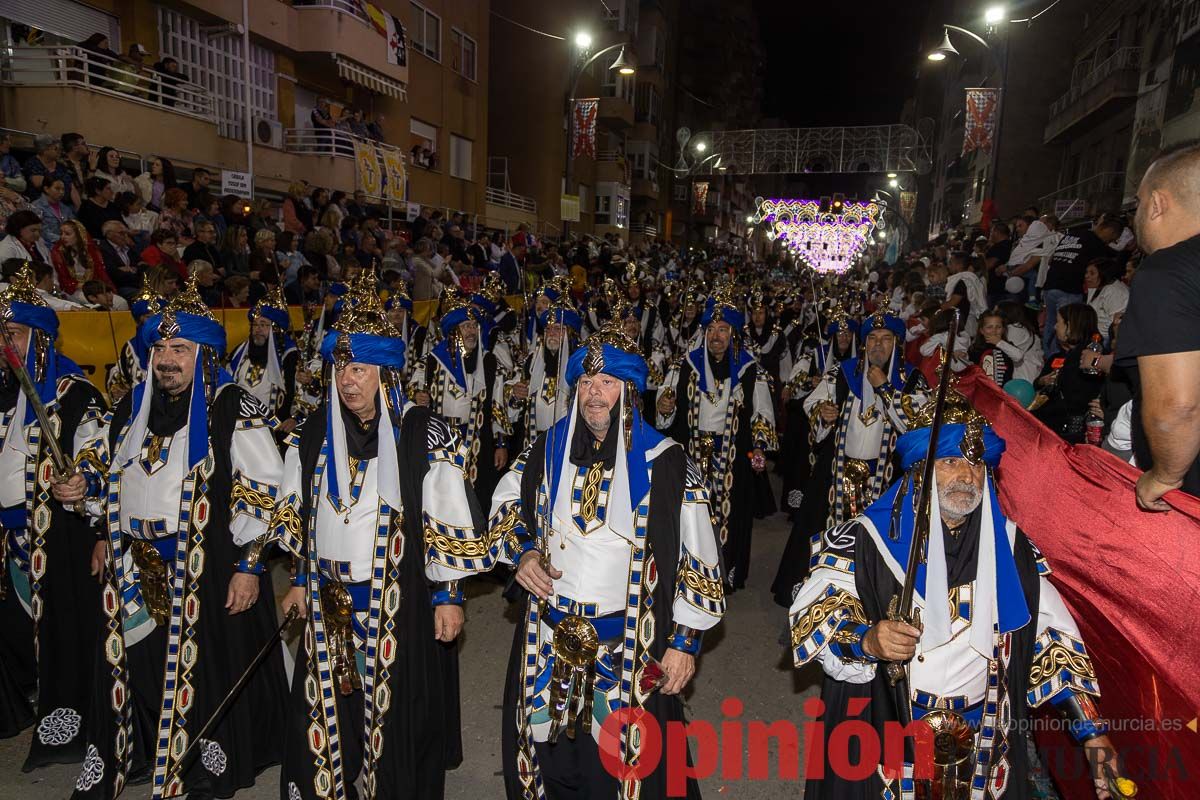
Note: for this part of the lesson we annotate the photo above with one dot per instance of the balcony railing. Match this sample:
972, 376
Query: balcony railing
1125, 58
610, 155
353, 8
327, 142
643, 229
1083, 198
75, 66
500, 197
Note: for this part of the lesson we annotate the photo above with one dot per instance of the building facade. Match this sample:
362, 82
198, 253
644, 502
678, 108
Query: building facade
418, 69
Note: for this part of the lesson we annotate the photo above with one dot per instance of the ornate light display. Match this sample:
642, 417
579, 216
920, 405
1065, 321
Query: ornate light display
828, 241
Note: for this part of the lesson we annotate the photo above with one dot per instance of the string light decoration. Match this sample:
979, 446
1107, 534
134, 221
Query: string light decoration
824, 240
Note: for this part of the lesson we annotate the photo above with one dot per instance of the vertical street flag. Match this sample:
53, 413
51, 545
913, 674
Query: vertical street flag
391, 29
908, 205
584, 140
980, 129
394, 176
366, 160
699, 196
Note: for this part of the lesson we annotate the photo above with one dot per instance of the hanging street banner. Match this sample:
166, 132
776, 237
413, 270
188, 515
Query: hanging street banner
394, 175
392, 31
366, 160
699, 196
568, 208
583, 142
908, 205
980, 130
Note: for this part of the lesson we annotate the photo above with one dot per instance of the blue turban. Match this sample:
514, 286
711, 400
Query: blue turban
367, 348
56, 367
842, 324
452, 319
563, 316
616, 362
278, 316
913, 446
398, 300
883, 322
726, 313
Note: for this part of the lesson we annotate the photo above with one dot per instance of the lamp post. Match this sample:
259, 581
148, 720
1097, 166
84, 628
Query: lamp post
624, 64
994, 17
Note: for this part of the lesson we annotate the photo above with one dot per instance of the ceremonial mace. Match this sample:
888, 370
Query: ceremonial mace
190, 751
64, 467
901, 609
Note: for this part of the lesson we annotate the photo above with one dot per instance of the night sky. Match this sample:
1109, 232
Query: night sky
839, 62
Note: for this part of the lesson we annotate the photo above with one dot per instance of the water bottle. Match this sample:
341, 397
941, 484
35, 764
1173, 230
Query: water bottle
1094, 429
1096, 347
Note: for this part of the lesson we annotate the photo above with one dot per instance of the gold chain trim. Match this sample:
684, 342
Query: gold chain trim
820, 611
454, 547
1054, 658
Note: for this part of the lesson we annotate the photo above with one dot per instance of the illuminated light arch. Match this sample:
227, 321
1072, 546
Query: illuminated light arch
826, 241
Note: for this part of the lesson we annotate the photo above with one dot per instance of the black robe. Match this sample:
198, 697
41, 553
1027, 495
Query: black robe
876, 585
250, 733
70, 600
667, 479
422, 730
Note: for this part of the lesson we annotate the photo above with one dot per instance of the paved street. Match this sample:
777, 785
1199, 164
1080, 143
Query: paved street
743, 659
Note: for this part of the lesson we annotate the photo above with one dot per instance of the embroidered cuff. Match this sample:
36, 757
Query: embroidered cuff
885, 392
253, 561
301, 576
1083, 718
686, 639
95, 487
846, 642
446, 593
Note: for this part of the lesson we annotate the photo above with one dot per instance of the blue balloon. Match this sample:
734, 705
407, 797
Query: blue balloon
1021, 390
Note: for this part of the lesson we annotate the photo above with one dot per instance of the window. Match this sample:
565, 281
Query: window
658, 39
463, 51
460, 157
215, 62
649, 104
422, 143
583, 197
612, 204
603, 209
614, 84
426, 35
680, 192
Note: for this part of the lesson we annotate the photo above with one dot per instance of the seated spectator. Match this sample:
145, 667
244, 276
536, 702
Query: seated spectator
237, 292
43, 278
10, 170
330, 220
10, 203
170, 76
988, 351
306, 290
164, 251
1067, 388
99, 207
319, 252
262, 264
358, 207
154, 184
45, 163
1021, 344
206, 281
208, 209
140, 220
260, 217
108, 166
204, 248
235, 251
77, 156
288, 257
120, 258
175, 217
24, 239
76, 259
197, 186
429, 278
161, 280
297, 216
1105, 292
99, 295
52, 209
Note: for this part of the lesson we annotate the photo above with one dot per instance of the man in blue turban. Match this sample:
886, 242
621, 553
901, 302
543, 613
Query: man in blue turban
49, 556
192, 475
532, 396
607, 523
377, 514
994, 641
265, 364
720, 404
131, 361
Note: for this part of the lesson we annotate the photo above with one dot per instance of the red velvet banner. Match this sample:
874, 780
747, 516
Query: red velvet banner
1132, 580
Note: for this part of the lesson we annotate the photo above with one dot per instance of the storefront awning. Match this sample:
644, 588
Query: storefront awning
365, 76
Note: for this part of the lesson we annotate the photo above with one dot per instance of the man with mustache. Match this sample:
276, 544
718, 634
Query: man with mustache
607, 523
192, 473
994, 640
532, 397
720, 405
50, 559
376, 512
265, 364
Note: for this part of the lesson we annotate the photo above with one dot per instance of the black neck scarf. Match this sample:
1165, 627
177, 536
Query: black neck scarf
257, 353
719, 366
585, 453
169, 414
362, 438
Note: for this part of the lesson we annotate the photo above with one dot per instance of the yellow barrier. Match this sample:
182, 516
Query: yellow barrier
92, 339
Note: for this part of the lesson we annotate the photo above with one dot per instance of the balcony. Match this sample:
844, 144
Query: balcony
326, 157
73, 89
611, 165
615, 112
509, 208
1113, 83
645, 187
643, 229
1101, 192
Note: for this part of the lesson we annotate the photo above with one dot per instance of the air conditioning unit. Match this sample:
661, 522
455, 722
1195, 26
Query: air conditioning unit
268, 132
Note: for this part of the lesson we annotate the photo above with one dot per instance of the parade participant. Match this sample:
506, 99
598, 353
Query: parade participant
265, 364
130, 368
464, 384
995, 640
765, 341
49, 553
641, 306
658, 361
190, 487
554, 290
856, 412
498, 324
721, 406
399, 307
375, 509
608, 525
534, 412
684, 329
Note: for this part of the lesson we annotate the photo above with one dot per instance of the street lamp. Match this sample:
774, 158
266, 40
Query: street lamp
995, 15
943, 50
894, 183
583, 40
623, 65
892, 175
701, 147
